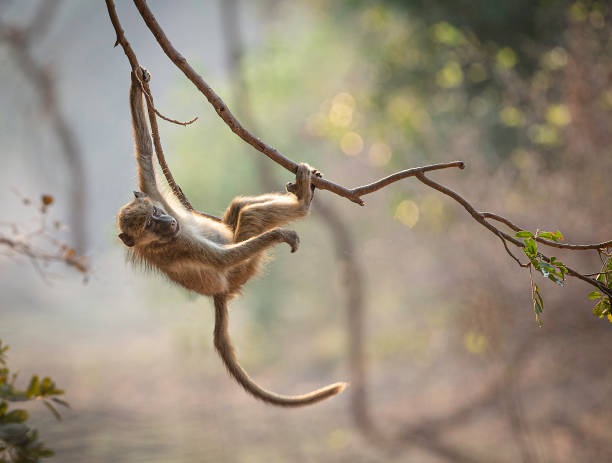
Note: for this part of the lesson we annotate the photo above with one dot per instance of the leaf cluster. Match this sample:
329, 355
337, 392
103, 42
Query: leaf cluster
19, 443
602, 306
552, 268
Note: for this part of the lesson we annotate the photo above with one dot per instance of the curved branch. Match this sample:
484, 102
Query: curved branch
480, 218
224, 113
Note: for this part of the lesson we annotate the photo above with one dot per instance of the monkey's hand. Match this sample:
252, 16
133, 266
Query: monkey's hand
290, 237
141, 75
303, 187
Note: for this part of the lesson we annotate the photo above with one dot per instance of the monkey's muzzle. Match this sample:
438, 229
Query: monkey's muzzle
165, 225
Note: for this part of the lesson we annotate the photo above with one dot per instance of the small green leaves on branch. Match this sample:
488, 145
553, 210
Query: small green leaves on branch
19, 442
552, 268
602, 307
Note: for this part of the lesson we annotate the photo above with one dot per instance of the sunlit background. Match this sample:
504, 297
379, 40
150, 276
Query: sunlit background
409, 298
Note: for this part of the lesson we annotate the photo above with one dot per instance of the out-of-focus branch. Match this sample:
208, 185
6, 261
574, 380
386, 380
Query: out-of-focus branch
233, 44
20, 41
39, 245
346, 255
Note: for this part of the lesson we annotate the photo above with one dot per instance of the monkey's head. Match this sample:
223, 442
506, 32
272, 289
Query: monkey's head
141, 222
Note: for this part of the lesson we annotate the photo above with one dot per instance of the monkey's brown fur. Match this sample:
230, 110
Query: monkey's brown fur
206, 256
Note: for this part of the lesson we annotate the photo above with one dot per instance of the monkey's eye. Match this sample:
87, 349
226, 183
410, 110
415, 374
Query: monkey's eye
148, 223
156, 212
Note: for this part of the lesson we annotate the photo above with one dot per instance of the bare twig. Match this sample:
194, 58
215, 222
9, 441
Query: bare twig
39, 245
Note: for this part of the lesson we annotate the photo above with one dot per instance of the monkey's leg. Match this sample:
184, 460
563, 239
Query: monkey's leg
230, 217
258, 216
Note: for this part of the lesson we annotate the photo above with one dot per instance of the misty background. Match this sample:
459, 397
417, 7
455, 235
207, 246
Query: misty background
407, 297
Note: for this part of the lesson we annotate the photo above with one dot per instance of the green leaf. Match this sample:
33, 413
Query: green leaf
558, 236
598, 309
46, 386
531, 248
16, 416
594, 295
61, 402
546, 235
33, 388
523, 234
538, 308
53, 410
555, 279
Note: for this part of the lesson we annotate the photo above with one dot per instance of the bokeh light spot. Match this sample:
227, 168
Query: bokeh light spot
511, 116
407, 212
475, 343
450, 75
558, 115
351, 143
506, 58
379, 154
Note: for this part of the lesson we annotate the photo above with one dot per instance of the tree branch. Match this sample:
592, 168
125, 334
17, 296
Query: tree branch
152, 111
481, 218
233, 123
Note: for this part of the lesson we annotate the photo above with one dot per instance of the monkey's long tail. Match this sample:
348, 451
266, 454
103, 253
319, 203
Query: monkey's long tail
226, 351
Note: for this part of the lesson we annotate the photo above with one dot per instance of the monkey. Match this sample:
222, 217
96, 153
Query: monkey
211, 257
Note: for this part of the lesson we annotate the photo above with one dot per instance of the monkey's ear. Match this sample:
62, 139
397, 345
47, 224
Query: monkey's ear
127, 239
139, 194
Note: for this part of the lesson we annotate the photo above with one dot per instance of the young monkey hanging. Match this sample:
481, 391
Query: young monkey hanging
211, 257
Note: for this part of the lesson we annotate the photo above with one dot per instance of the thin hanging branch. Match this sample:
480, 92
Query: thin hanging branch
131, 56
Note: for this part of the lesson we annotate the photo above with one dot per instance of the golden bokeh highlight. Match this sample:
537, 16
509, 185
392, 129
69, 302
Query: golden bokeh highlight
379, 154
474, 343
341, 111
407, 212
351, 143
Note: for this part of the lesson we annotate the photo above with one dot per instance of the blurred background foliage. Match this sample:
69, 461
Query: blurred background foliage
456, 368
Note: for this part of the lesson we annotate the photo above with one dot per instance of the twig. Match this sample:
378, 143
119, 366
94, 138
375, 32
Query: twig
554, 244
480, 218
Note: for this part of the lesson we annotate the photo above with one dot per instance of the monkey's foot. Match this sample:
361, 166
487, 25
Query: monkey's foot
290, 237
303, 177
144, 75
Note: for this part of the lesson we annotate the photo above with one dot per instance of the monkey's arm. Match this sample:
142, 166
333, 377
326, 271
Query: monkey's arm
142, 140
221, 257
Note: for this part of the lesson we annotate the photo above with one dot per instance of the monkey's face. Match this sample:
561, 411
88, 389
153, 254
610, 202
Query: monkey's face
142, 222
